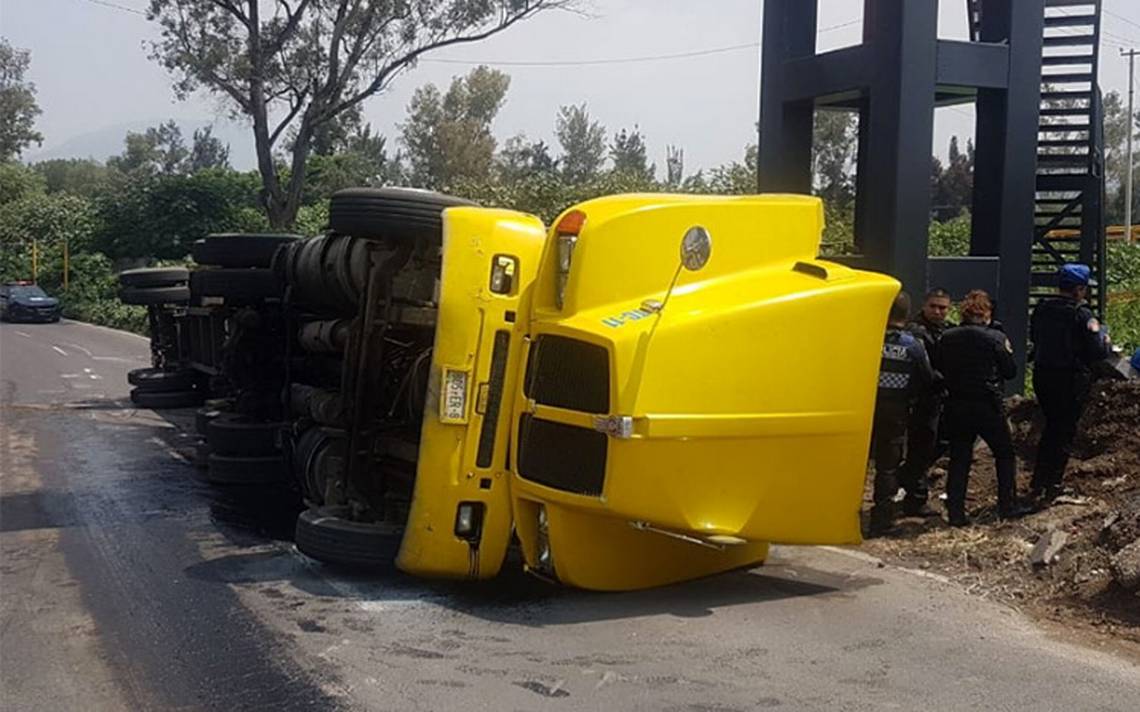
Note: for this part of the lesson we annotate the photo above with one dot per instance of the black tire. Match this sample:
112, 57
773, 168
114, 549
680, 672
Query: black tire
233, 434
157, 380
326, 537
162, 400
239, 249
390, 213
202, 456
150, 296
154, 277
245, 470
202, 418
235, 285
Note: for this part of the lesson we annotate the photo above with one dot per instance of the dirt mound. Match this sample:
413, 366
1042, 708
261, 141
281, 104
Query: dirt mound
1088, 527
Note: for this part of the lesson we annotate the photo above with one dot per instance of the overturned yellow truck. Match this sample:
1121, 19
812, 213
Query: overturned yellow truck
654, 389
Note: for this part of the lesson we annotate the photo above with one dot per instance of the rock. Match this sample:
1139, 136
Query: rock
1125, 566
1047, 547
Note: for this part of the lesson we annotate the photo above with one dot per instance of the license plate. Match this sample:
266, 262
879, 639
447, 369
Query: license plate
453, 403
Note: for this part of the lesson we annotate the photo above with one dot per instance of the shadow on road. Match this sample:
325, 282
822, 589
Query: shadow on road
517, 598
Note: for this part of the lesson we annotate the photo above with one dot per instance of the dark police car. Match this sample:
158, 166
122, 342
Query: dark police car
24, 301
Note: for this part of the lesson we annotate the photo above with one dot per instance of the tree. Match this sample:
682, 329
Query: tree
160, 150
293, 67
77, 176
17, 181
18, 108
50, 221
159, 216
360, 158
206, 152
448, 136
628, 152
834, 142
583, 143
952, 191
521, 159
736, 178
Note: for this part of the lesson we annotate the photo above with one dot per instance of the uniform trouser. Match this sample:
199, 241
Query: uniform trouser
921, 450
888, 440
1062, 395
966, 421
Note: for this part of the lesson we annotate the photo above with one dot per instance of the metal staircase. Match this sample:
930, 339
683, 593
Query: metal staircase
1070, 196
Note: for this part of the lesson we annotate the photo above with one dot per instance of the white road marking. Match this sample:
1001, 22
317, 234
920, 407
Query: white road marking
77, 346
106, 328
24, 334
169, 450
58, 350
72, 375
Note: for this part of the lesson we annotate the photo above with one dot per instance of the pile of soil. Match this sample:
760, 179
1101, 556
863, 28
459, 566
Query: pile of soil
1102, 516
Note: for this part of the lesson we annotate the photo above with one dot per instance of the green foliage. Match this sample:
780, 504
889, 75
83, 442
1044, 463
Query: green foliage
159, 216
312, 219
834, 140
47, 219
950, 238
161, 150
1122, 313
78, 176
628, 153
1122, 261
952, 187
448, 136
583, 143
18, 181
18, 108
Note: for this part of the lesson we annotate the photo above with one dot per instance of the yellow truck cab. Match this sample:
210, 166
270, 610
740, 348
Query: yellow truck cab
666, 385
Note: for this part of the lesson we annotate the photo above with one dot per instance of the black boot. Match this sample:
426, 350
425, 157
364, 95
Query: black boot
959, 519
1015, 511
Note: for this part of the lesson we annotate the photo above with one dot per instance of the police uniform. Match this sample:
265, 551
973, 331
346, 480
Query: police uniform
904, 375
922, 429
974, 361
1067, 341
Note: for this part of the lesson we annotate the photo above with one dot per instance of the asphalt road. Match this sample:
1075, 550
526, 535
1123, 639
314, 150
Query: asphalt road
126, 583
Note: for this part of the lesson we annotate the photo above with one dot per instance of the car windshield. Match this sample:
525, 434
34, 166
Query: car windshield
27, 291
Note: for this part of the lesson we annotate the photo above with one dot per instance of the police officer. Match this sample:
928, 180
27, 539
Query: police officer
974, 360
1067, 341
922, 430
905, 374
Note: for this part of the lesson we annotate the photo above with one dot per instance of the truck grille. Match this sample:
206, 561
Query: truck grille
567, 373
562, 456
494, 399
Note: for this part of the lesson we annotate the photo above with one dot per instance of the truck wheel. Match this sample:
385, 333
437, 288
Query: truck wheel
323, 535
202, 456
157, 380
165, 399
234, 434
390, 213
149, 296
245, 470
202, 418
237, 285
239, 249
154, 277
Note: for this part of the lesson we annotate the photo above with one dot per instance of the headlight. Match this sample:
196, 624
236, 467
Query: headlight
565, 258
568, 229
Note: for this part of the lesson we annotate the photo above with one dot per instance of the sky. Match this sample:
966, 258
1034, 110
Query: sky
94, 80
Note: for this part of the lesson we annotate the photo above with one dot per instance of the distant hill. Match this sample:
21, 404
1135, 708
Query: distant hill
103, 143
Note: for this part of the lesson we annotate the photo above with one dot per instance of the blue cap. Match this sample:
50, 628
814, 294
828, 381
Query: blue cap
1076, 274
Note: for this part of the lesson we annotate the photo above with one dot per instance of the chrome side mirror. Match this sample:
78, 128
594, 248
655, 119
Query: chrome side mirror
696, 248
